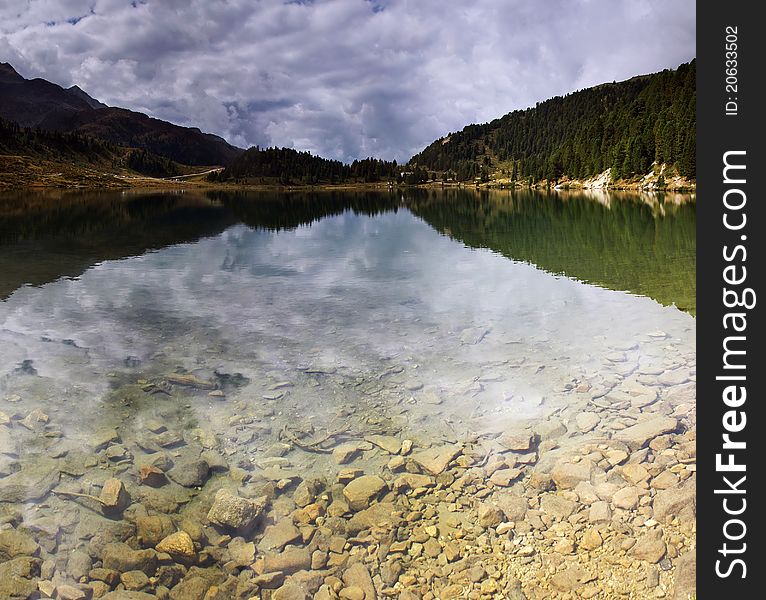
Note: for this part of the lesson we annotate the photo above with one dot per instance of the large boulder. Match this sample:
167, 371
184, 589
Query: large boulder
123, 558
675, 501
362, 490
233, 512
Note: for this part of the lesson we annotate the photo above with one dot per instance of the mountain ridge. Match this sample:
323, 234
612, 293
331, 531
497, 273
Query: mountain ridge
39, 103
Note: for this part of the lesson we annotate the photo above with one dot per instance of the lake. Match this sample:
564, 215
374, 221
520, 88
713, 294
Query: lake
270, 341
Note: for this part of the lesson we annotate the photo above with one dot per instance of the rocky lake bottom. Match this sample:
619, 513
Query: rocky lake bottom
357, 409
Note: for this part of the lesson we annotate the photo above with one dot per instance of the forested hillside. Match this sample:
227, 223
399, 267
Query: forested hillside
625, 126
23, 148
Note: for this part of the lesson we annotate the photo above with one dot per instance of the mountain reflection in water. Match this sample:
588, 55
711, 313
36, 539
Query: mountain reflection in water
642, 244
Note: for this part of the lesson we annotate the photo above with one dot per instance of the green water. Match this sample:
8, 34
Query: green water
641, 244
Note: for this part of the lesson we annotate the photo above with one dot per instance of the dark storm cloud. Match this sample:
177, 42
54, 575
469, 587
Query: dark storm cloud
343, 78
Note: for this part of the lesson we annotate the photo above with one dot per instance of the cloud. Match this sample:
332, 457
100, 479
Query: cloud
342, 78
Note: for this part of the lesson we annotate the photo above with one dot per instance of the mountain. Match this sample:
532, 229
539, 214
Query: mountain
92, 102
627, 127
41, 104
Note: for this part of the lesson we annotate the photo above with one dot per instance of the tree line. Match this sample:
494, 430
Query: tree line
287, 166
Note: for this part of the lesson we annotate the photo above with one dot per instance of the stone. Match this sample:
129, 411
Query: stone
676, 501
388, 443
362, 490
189, 380
652, 577
101, 439
308, 514
318, 560
108, 576
634, 473
16, 578
134, 581
234, 512
586, 492
346, 453
639, 435
114, 497
153, 529
591, 539
151, 476
381, 515
32, 482
168, 576
600, 512
288, 561
289, 591
519, 442
567, 475
587, 421
121, 557
649, 547
664, 481
269, 580
555, 506
626, 498
685, 579
116, 452
78, 565
352, 593
357, 575
277, 536
514, 507
490, 515
190, 588
616, 457
564, 546
70, 592
432, 548
436, 460
190, 473
504, 477
568, 579
125, 595
241, 552
412, 481
47, 589
179, 545
14, 543
35, 419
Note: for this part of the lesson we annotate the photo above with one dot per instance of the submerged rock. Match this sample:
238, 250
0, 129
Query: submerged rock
14, 543
234, 512
639, 435
362, 490
436, 460
179, 545
16, 578
121, 557
151, 476
114, 496
190, 473
278, 536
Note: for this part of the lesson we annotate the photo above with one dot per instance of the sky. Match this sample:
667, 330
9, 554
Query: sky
344, 79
